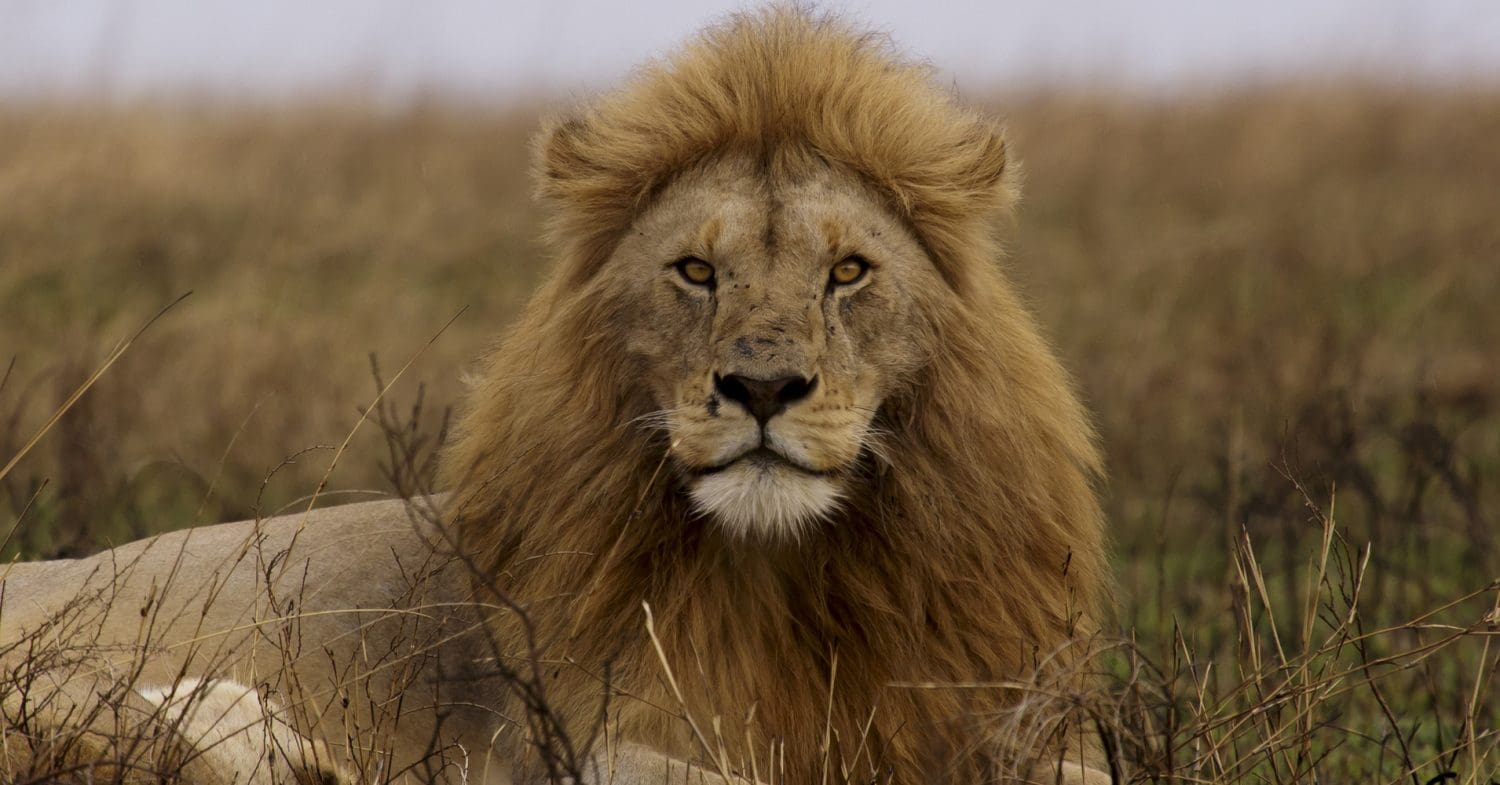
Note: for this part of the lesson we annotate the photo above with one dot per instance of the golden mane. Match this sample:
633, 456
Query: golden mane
767, 81
970, 553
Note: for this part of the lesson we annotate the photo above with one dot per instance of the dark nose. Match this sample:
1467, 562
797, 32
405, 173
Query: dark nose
764, 398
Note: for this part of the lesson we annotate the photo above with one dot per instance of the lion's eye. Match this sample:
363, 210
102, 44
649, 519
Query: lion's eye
849, 271
696, 271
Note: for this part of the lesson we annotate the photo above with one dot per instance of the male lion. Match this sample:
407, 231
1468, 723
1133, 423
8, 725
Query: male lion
774, 479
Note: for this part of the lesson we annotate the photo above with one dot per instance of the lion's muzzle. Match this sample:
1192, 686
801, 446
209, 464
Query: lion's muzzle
764, 398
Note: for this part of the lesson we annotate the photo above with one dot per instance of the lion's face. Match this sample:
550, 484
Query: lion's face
776, 313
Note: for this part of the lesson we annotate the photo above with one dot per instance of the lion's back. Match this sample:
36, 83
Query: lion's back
221, 570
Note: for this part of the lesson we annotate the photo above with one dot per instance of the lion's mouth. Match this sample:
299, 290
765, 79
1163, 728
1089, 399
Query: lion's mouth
761, 457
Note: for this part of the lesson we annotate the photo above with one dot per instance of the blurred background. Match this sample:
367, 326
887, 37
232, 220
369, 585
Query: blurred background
1264, 236
491, 52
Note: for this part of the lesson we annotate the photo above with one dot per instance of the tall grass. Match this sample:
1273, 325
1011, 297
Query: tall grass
1279, 304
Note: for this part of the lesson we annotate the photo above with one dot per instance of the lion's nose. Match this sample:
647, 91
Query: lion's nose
764, 398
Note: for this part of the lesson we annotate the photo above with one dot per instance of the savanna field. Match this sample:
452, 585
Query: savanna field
1280, 306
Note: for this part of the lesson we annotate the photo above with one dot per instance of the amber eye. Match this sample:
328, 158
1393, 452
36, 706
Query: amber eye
696, 271
849, 271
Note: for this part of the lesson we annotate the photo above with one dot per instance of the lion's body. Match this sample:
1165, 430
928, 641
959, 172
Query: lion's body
348, 604
188, 732
942, 527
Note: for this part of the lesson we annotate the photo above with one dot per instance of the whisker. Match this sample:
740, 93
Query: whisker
659, 420
873, 439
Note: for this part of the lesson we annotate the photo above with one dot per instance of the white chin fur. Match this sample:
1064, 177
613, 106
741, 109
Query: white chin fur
758, 499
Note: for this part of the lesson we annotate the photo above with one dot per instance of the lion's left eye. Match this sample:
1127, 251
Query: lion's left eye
695, 271
849, 271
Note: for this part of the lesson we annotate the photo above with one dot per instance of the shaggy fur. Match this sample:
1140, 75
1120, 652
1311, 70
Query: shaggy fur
972, 552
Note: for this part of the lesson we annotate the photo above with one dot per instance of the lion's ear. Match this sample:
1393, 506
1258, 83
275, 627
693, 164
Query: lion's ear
588, 193
559, 153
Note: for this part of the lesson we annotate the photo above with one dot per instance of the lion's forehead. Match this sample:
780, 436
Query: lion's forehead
741, 213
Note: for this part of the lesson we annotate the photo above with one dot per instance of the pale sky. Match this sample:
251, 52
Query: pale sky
398, 49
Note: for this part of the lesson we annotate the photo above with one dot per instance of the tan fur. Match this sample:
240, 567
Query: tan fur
973, 551
190, 733
236, 738
352, 616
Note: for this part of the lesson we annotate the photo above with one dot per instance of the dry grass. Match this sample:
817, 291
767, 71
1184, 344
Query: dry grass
1280, 305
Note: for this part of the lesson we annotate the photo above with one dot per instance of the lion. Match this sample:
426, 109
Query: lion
774, 479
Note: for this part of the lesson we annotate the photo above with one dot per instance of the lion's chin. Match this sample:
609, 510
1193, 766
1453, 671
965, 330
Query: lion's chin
749, 498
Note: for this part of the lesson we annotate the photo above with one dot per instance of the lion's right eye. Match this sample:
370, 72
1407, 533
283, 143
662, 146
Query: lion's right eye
696, 271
